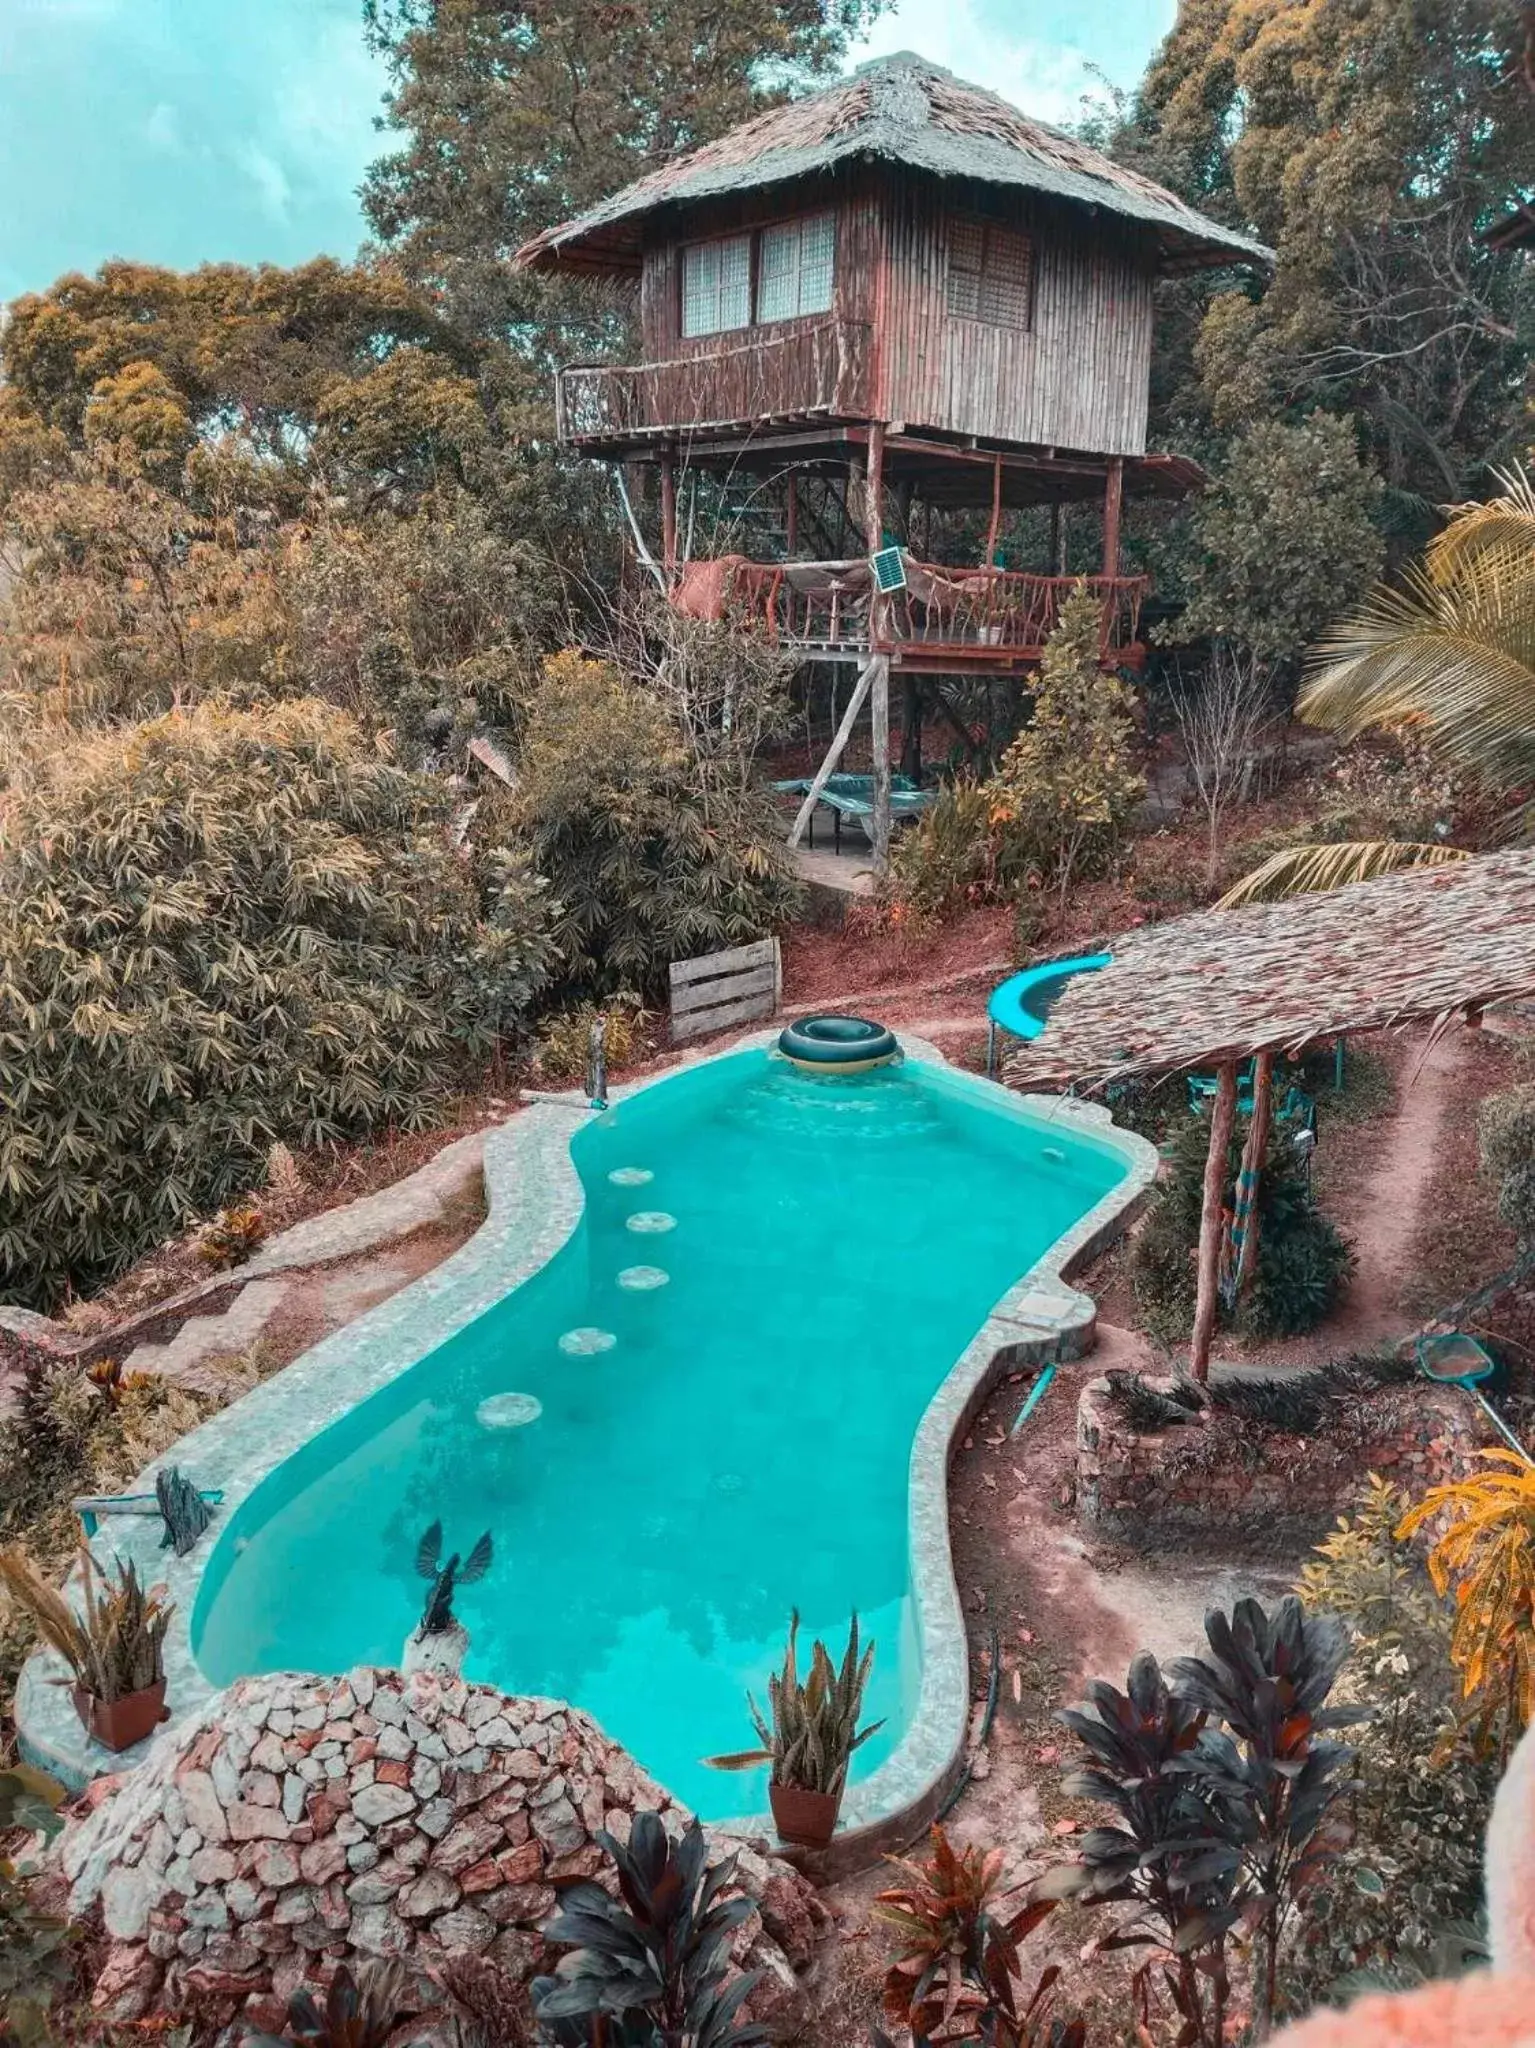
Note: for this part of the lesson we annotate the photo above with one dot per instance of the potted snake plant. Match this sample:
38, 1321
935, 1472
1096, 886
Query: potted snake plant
114, 1644
808, 1737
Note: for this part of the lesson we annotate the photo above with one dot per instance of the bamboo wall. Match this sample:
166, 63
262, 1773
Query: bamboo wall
1076, 378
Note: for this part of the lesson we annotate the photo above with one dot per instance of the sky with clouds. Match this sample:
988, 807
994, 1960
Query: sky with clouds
184, 131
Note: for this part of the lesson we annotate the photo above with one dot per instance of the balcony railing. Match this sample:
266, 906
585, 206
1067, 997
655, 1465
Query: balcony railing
816, 369
982, 617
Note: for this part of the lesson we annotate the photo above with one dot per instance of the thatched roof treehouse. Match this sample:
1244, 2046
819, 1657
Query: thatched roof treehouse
897, 295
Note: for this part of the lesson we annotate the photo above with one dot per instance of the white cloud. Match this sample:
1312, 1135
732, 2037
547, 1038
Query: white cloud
162, 130
327, 91
268, 177
1047, 77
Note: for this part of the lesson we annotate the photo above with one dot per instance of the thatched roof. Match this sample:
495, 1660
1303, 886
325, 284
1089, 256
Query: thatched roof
1199, 990
903, 110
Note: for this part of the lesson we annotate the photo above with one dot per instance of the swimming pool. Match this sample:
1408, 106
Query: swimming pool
696, 1410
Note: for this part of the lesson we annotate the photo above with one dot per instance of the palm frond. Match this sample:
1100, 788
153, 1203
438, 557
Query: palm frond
1503, 523
1453, 649
1303, 870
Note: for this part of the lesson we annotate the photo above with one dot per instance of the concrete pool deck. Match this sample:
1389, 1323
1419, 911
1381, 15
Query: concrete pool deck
535, 1204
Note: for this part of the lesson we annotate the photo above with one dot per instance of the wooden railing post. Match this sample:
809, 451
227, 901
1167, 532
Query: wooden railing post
1222, 1118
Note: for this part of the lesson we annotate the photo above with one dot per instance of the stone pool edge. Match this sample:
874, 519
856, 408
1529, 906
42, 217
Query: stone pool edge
535, 1202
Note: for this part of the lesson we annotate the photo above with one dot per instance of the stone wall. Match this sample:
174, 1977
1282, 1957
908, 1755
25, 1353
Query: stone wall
299, 1823
1222, 1473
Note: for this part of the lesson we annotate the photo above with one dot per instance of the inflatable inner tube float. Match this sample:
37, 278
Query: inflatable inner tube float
838, 1045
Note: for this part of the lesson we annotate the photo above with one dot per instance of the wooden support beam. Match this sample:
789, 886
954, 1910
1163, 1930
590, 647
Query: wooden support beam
834, 751
879, 641
1222, 1117
1113, 500
1057, 537
669, 515
996, 512
791, 518
1253, 1153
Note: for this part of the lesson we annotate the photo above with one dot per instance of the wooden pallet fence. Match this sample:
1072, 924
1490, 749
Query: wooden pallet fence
742, 985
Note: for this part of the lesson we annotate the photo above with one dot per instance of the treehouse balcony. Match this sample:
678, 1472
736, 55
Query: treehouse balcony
946, 621
805, 372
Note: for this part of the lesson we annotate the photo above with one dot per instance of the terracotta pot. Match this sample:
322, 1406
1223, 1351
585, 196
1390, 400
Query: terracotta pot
809, 1818
119, 1724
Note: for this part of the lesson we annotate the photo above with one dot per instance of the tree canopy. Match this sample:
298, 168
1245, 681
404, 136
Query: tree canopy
1367, 143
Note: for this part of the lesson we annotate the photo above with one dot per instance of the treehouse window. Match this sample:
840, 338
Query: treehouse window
794, 268
990, 273
716, 285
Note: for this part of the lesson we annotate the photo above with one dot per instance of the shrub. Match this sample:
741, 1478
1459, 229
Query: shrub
954, 854
654, 852
1420, 1801
1484, 1549
651, 1967
1303, 1260
1505, 1130
1286, 537
221, 931
233, 1236
957, 1976
1224, 1792
565, 1039
1068, 786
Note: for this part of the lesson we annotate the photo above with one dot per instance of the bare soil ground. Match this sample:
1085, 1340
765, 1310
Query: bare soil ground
1065, 1609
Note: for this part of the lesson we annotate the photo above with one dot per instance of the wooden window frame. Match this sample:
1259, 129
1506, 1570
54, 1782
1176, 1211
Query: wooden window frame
753, 236
746, 235
798, 222
987, 228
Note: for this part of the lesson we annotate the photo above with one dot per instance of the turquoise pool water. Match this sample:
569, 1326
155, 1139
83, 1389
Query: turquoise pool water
774, 1275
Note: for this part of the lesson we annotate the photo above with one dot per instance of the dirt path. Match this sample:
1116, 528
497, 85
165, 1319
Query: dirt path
1389, 1208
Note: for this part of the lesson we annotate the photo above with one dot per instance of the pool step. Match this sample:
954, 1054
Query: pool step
203, 1337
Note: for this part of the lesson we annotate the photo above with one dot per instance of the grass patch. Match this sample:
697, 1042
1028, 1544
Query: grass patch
1369, 1087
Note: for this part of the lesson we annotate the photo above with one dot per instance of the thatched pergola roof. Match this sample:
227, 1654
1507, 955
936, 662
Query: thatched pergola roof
906, 111
1200, 991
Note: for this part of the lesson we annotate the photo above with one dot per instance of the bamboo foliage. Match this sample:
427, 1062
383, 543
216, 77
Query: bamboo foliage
224, 930
1486, 1552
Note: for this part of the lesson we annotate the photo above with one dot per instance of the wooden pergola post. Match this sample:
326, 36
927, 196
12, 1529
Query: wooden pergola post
1253, 1153
1222, 1118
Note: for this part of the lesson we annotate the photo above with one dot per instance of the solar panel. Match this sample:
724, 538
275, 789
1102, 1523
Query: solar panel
889, 567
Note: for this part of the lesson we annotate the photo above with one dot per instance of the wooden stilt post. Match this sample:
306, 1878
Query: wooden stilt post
1057, 559
1222, 1117
996, 511
1113, 499
880, 734
791, 520
1252, 1162
834, 751
669, 515
879, 614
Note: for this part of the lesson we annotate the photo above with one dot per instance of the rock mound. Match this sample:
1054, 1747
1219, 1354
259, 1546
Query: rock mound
302, 1822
